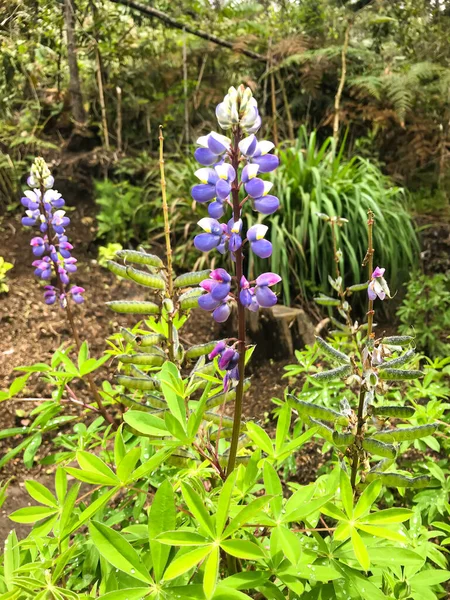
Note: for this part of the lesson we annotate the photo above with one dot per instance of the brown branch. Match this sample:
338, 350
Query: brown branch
149, 11
337, 98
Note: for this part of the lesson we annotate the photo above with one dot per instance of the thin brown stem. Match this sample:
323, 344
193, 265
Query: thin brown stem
239, 270
369, 261
337, 98
165, 207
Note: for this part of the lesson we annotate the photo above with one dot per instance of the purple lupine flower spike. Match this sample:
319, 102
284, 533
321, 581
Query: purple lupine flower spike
52, 248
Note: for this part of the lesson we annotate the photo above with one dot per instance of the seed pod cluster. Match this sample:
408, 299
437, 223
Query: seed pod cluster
117, 269
307, 409
398, 480
190, 298
399, 412
379, 448
138, 383
147, 359
339, 372
327, 301
201, 349
399, 374
150, 280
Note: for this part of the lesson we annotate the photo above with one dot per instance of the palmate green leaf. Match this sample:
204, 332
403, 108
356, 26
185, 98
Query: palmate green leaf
117, 551
273, 487
396, 535
162, 518
246, 580
260, 437
127, 464
151, 464
31, 514
246, 515
197, 507
146, 423
185, 561
91, 510
242, 549
360, 550
211, 572
128, 594
40, 493
367, 498
430, 577
289, 543
223, 504
389, 515
31, 450
182, 537
306, 509
11, 558
94, 464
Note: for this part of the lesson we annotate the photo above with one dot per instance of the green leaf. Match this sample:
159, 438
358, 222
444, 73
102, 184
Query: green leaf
31, 514
182, 537
383, 532
162, 518
146, 423
11, 559
273, 487
31, 450
389, 515
128, 594
152, 463
430, 577
367, 498
246, 580
91, 510
117, 551
346, 494
40, 493
246, 515
127, 464
94, 464
211, 571
289, 542
172, 387
185, 562
223, 504
360, 550
303, 511
242, 549
83, 354
197, 507
260, 437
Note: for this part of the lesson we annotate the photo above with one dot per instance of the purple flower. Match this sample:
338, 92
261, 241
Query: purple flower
228, 361
265, 297
212, 148
49, 294
38, 245
206, 190
257, 153
260, 246
378, 286
76, 292
218, 349
213, 236
221, 284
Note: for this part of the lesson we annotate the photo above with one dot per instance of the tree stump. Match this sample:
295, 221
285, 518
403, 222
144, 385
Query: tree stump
277, 331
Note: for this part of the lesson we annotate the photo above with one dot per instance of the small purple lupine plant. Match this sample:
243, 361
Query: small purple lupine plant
51, 248
222, 180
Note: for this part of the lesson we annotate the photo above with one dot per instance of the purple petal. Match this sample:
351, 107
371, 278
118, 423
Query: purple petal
203, 192
206, 241
220, 275
222, 313
262, 248
246, 297
378, 272
205, 157
267, 162
28, 221
207, 302
265, 297
222, 189
371, 293
235, 242
255, 187
226, 357
218, 349
266, 279
248, 145
220, 290
266, 205
215, 144
216, 209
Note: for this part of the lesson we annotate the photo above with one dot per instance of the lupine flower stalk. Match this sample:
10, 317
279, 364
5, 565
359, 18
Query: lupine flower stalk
221, 181
52, 249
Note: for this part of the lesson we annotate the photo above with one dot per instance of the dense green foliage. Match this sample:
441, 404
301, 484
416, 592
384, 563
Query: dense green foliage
426, 312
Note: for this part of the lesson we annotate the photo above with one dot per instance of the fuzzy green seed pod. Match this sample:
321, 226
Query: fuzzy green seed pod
117, 269
358, 287
379, 448
397, 362
222, 397
149, 340
340, 357
406, 434
150, 360
190, 298
127, 335
398, 480
140, 258
168, 305
225, 434
333, 373
134, 307
131, 403
191, 279
327, 301
399, 374
201, 349
308, 409
138, 383
155, 401
400, 412
343, 440
397, 340
217, 419
323, 430
150, 280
